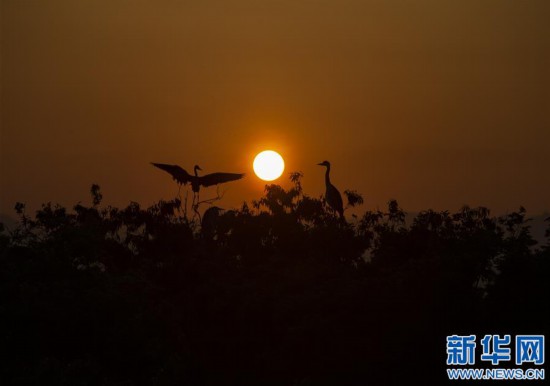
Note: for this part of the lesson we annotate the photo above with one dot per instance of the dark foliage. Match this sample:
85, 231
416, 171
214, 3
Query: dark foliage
281, 294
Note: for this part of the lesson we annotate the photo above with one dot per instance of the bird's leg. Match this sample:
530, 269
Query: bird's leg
196, 203
185, 210
196, 209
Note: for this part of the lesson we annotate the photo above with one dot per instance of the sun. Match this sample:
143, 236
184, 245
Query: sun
269, 165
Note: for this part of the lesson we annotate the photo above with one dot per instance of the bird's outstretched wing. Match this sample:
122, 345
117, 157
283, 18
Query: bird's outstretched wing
179, 174
218, 178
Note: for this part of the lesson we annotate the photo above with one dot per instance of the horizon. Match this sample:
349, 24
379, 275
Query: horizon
538, 222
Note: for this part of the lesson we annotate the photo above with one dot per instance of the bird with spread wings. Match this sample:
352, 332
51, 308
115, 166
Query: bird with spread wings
181, 176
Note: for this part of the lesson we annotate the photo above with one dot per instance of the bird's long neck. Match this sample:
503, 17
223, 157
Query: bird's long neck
327, 176
196, 173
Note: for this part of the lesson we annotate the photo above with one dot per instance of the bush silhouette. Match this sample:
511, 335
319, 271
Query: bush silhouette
278, 292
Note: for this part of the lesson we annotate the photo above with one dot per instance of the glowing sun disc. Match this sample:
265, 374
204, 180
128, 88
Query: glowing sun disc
269, 165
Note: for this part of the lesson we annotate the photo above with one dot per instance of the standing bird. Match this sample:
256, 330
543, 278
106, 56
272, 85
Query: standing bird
210, 221
183, 178
332, 195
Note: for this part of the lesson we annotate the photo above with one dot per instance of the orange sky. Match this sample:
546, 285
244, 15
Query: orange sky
434, 103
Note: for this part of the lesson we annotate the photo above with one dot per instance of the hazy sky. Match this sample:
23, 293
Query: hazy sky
435, 103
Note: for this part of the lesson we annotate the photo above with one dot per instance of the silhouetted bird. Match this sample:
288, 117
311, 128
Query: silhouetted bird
183, 178
209, 223
332, 195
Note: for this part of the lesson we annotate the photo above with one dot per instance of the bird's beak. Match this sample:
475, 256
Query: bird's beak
321, 164
198, 168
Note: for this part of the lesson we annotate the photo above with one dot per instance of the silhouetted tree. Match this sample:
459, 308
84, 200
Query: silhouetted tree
279, 292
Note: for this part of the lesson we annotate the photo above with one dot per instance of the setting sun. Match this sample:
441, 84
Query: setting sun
269, 165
